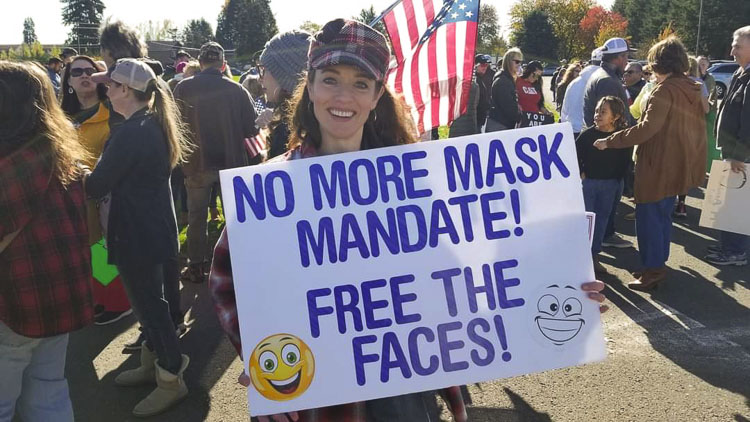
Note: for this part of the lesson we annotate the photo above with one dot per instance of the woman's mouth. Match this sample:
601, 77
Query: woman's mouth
341, 114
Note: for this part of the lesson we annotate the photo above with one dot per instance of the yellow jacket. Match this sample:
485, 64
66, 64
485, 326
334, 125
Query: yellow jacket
94, 132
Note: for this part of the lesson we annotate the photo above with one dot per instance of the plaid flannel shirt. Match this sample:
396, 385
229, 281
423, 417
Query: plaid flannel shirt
221, 286
46, 270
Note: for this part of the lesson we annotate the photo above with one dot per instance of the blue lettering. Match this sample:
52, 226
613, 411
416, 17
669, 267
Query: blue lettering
372, 193
399, 299
497, 152
414, 351
453, 165
463, 202
393, 176
349, 225
325, 237
371, 305
502, 283
351, 307
421, 228
551, 156
490, 217
242, 194
376, 230
528, 160
410, 174
360, 359
480, 341
472, 290
450, 294
338, 183
447, 346
440, 212
286, 183
314, 312
390, 342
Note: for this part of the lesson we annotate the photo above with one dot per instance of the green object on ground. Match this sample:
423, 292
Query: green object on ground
103, 272
712, 152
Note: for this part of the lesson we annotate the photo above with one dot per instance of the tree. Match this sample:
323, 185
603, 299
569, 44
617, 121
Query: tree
29, 34
85, 16
489, 40
245, 25
157, 30
599, 25
197, 32
310, 26
564, 17
536, 38
369, 15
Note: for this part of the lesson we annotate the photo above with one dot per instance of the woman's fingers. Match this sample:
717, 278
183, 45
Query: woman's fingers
243, 379
593, 286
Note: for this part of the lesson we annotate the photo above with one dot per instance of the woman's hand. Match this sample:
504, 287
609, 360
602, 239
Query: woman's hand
601, 144
737, 166
594, 289
264, 118
244, 380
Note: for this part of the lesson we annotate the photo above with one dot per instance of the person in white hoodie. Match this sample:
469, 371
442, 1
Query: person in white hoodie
572, 107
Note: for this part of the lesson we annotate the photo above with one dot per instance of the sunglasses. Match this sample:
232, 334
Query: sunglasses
647, 73
78, 71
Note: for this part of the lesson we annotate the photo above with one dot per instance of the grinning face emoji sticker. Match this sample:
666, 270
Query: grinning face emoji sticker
559, 314
281, 367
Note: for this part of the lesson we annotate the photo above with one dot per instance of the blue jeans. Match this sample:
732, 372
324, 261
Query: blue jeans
145, 288
653, 227
733, 243
610, 230
33, 383
599, 197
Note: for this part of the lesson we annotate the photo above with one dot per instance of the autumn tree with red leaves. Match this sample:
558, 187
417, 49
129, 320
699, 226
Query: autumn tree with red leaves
599, 25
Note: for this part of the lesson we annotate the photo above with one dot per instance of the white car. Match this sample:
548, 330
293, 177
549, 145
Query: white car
722, 72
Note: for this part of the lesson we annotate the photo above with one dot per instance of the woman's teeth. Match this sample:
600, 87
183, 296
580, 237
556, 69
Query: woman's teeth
341, 113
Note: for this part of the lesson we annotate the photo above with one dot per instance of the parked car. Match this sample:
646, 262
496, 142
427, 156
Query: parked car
549, 70
722, 72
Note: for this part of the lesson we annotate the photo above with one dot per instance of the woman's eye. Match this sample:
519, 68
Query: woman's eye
329, 81
361, 85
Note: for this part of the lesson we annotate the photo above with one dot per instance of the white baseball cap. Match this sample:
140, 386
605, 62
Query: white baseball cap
131, 72
614, 46
596, 54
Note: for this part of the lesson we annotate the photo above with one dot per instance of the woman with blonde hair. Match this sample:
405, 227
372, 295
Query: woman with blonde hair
45, 260
141, 227
504, 111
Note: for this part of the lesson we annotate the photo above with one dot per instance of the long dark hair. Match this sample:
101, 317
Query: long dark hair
29, 111
164, 108
388, 125
617, 107
70, 104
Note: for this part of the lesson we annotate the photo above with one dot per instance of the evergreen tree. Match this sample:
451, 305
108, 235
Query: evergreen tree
489, 40
245, 25
29, 34
367, 16
85, 17
197, 32
535, 36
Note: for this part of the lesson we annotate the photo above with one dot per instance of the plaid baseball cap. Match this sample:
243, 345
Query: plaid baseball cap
211, 52
131, 72
343, 41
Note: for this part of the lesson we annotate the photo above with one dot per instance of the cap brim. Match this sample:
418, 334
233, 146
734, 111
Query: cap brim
101, 77
328, 59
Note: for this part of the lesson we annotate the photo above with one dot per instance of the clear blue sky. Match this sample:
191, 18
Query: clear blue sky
289, 14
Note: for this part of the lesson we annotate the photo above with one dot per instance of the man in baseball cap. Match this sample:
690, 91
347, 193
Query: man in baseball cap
483, 76
133, 73
211, 52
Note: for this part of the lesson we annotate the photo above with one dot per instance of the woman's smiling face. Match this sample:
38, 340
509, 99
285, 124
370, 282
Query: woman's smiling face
343, 97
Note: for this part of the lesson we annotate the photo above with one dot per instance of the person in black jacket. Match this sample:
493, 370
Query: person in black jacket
733, 137
482, 69
504, 111
141, 230
602, 171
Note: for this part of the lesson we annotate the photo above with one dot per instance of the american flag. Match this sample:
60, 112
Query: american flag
434, 43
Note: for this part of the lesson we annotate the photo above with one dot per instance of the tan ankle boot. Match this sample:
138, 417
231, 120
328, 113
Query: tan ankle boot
170, 389
144, 374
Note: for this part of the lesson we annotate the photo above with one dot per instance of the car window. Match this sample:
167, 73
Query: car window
727, 68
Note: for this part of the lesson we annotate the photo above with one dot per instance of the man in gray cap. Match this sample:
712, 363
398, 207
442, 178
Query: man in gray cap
220, 116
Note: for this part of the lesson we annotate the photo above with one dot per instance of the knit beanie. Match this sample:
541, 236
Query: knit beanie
285, 56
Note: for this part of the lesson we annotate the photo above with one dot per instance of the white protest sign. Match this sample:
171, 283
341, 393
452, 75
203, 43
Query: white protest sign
727, 200
411, 268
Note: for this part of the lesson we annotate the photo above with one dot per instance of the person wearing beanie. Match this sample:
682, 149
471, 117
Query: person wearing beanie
283, 62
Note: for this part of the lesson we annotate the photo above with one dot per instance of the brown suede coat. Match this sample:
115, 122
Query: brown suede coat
671, 139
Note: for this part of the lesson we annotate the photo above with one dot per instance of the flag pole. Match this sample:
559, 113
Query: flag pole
385, 12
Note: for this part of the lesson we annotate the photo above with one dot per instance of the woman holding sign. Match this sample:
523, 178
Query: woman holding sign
531, 98
343, 105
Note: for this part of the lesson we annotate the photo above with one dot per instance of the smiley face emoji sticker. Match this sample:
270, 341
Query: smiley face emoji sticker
559, 314
281, 367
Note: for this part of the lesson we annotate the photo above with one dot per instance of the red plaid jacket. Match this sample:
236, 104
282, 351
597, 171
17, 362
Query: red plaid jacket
45, 272
221, 286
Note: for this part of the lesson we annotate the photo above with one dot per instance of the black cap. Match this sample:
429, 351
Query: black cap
69, 51
482, 59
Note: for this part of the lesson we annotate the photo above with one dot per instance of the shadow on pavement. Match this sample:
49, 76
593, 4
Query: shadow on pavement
689, 297
97, 399
521, 411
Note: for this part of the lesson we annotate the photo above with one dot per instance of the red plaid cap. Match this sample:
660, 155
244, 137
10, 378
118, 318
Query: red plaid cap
344, 41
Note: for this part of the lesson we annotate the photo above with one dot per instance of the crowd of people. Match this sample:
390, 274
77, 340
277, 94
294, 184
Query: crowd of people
117, 151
